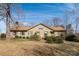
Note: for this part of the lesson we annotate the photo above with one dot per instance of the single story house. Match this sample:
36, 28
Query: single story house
39, 29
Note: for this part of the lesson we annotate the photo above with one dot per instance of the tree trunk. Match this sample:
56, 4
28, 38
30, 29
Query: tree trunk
8, 21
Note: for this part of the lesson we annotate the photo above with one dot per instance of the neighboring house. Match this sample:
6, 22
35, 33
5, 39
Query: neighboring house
40, 29
69, 29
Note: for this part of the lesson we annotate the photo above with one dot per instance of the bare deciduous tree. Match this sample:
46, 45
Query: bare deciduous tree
57, 21
46, 22
8, 21
5, 15
77, 24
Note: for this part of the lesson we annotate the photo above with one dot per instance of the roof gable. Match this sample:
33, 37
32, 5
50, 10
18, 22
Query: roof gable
42, 25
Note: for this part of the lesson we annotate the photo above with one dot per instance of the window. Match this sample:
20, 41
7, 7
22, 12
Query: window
30, 33
41, 28
22, 33
52, 32
15, 33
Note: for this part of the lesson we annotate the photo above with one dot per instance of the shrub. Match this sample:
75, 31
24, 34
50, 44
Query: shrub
71, 37
34, 37
62, 36
51, 39
27, 37
16, 36
3, 35
20, 37
58, 39
23, 37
